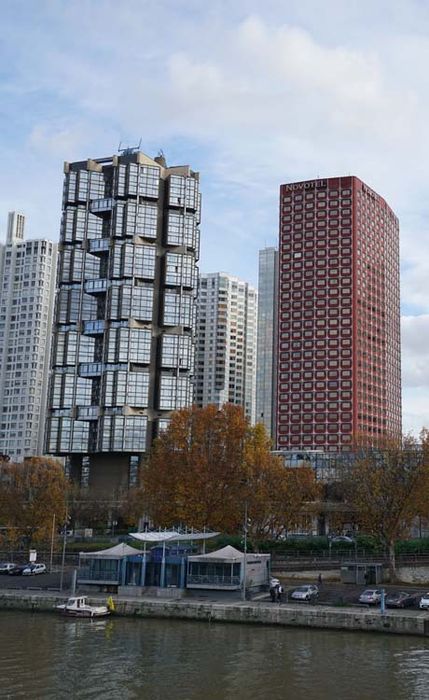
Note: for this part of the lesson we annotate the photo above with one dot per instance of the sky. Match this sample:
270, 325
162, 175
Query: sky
250, 94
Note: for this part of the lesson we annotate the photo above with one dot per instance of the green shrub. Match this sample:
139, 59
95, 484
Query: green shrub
294, 544
417, 546
89, 545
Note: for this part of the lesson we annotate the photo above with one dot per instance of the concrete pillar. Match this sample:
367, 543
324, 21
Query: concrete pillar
182, 573
162, 577
143, 571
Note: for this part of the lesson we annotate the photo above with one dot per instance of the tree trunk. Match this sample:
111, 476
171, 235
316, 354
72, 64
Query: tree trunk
392, 561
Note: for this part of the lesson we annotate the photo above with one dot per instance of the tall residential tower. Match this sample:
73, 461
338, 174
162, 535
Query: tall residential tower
123, 354
27, 289
226, 343
267, 338
339, 362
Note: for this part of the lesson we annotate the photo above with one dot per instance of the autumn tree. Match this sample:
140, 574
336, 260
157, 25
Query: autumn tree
195, 472
277, 496
30, 494
383, 488
422, 496
208, 463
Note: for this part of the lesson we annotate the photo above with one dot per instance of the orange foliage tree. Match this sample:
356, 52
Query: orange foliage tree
195, 473
208, 464
30, 494
422, 495
277, 496
384, 487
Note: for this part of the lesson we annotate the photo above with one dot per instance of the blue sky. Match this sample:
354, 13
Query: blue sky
249, 93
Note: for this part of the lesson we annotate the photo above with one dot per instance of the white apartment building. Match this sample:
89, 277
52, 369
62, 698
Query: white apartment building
27, 290
226, 343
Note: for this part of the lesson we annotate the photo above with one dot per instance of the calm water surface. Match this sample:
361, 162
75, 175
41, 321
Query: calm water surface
48, 657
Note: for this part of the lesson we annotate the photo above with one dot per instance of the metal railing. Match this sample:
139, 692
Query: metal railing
280, 561
86, 574
212, 580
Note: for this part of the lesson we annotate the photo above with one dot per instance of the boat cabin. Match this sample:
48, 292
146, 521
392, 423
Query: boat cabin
76, 603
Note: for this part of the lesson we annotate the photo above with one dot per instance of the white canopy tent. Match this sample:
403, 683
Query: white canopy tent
228, 569
171, 536
119, 551
226, 554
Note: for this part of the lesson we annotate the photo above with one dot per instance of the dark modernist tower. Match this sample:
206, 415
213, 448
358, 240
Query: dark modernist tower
123, 354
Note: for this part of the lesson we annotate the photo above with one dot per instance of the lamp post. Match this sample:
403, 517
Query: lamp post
52, 543
383, 601
245, 550
63, 558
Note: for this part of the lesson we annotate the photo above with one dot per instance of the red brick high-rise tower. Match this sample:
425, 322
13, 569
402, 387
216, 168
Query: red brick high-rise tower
339, 361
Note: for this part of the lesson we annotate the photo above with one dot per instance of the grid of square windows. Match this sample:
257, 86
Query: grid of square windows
317, 309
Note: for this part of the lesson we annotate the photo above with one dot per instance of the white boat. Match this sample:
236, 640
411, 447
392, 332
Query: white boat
79, 607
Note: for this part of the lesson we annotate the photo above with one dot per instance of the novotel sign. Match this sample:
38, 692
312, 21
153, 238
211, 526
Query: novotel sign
309, 185
369, 192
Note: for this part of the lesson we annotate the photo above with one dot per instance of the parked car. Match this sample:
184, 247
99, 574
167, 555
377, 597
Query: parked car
344, 539
40, 569
305, 593
371, 596
17, 570
400, 599
424, 602
32, 569
5, 567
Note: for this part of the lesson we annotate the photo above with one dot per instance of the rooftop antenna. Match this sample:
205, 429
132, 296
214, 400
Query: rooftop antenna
161, 159
128, 150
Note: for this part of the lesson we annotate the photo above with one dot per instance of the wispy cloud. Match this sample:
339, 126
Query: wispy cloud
251, 94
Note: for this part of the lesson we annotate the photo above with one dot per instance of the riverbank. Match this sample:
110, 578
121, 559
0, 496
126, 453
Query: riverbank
308, 616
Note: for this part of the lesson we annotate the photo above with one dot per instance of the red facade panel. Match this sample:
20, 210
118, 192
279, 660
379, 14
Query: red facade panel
339, 318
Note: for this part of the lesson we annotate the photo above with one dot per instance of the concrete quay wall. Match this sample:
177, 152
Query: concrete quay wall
413, 574
310, 616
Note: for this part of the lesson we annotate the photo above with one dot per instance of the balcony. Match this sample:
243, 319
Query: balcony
90, 369
98, 245
98, 286
94, 327
88, 412
99, 206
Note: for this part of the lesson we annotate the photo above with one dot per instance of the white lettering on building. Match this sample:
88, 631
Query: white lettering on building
369, 192
309, 185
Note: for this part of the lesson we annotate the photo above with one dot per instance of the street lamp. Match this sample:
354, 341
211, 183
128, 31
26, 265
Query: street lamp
383, 601
63, 558
51, 558
245, 550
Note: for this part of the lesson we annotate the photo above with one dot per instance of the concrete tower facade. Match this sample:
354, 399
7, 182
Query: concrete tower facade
123, 356
267, 338
226, 343
339, 362
27, 290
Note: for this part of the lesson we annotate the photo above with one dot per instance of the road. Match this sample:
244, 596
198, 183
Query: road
47, 581
347, 593
330, 593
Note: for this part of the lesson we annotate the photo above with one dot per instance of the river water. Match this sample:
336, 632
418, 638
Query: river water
46, 657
